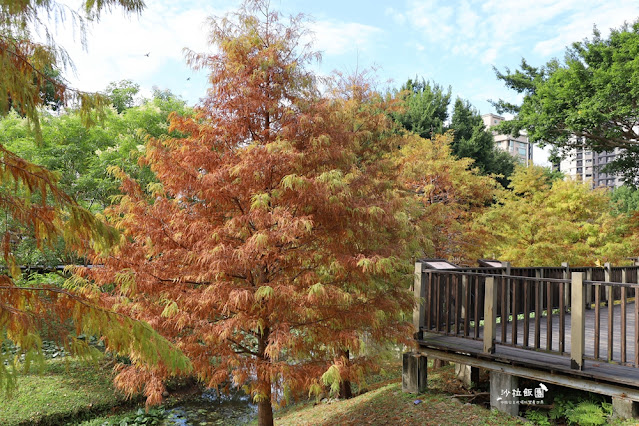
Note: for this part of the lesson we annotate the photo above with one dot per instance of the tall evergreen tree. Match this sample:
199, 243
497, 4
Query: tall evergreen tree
472, 140
425, 113
425, 108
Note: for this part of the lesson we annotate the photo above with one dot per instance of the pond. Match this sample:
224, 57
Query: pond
213, 408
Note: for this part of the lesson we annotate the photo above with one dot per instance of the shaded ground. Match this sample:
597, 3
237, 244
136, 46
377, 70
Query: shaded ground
388, 405
67, 395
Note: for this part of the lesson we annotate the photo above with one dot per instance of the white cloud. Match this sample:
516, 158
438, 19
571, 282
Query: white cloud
485, 29
398, 17
337, 38
581, 26
117, 45
489, 56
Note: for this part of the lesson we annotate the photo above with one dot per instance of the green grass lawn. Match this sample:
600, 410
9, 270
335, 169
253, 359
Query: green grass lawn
63, 391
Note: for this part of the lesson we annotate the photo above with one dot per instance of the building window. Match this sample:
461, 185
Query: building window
522, 151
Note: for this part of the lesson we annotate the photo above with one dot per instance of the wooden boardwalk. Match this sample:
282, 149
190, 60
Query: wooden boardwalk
542, 359
589, 336
574, 327
552, 363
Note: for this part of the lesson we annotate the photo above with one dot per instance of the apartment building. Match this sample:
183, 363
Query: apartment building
518, 147
584, 165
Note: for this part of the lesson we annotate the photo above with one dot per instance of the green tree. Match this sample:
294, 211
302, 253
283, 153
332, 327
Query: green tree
425, 108
472, 140
425, 113
82, 157
122, 94
448, 193
589, 99
625, 200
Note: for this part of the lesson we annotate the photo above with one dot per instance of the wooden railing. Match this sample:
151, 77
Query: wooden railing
543, 309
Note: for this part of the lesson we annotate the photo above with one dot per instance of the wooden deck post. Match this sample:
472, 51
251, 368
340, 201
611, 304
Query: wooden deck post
419, 290
566, 276
414, 372
577, 321
490, 306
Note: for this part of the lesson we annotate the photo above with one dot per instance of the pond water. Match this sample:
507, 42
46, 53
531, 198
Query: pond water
213, 408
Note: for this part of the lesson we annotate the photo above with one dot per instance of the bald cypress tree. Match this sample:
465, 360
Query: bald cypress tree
276, 237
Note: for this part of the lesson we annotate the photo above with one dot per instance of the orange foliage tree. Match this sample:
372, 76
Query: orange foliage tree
276, 237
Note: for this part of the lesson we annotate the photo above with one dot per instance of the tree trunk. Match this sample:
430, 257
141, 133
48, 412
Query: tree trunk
438, 363
264, 407
265, 412
345, 391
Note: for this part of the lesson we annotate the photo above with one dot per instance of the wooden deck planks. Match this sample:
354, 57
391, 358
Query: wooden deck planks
590, 337
596, 369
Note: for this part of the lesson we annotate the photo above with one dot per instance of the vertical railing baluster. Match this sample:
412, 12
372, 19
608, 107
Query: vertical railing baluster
429, 299
610, 300
611, 317
458, 305
504, 310
476, 331
526, 312
548, 316
589, 288
439, 303
624, 300
562, 318
538, 312
597, 319
466, 290
514, 311
622, 336
448, 304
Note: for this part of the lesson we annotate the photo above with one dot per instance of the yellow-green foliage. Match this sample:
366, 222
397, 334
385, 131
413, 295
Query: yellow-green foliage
538, 222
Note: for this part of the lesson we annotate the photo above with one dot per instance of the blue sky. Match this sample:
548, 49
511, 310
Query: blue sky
453, 43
